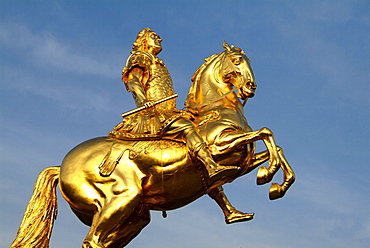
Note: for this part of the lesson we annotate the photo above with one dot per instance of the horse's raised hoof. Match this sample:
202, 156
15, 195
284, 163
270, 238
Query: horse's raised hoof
276, 191
263, 176
238, 216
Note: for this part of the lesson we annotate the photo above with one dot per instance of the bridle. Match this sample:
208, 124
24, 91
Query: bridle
237, 87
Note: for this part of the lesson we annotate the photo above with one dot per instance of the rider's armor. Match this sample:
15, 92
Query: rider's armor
157, 84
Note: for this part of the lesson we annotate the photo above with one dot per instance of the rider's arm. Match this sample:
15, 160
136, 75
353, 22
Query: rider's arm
134, 85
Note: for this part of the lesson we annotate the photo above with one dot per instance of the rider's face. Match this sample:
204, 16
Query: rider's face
154, 43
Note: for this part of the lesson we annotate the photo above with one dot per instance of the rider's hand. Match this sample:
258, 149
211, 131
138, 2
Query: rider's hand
149, 104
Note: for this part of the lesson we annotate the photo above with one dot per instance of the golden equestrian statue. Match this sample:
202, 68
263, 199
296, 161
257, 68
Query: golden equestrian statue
159, 158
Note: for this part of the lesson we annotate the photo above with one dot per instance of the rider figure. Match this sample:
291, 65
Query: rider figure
147, 78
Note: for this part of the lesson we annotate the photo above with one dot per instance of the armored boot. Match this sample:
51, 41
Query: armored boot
215, 171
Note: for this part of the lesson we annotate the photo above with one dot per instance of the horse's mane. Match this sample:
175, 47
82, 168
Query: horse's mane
203, 66
196, 78
219, 60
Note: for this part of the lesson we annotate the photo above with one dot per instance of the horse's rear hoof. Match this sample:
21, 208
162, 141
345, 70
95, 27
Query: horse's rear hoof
276, 191
238, 216
263, 176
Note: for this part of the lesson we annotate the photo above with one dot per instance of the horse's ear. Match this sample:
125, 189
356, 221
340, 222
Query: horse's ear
226, 46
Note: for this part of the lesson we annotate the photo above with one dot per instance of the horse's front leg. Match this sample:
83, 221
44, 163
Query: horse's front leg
265, 174
230, 140
279, 190
276, 190
232, 215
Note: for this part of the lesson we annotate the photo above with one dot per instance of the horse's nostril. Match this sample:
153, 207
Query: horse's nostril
252, 85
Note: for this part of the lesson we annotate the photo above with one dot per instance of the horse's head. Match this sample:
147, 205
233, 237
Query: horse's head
234, 68
220, 75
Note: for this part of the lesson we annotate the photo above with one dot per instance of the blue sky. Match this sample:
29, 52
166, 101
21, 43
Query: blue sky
61, 63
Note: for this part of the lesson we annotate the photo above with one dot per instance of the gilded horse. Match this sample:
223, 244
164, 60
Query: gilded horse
111, 185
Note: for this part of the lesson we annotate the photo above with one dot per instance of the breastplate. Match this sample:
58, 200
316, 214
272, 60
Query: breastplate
160, 86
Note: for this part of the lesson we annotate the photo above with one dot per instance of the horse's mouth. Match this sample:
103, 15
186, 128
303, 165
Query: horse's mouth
248, 90
245, 95
248, 95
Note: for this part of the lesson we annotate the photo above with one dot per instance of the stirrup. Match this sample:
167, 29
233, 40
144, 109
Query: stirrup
221, 169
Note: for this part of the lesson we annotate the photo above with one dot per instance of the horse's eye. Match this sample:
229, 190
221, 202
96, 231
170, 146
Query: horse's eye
236, 61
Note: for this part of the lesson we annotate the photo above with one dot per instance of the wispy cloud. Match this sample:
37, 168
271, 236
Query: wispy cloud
55, 72
45, 49
331, 60
68, 95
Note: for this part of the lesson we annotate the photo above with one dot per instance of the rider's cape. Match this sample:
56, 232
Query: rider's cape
157, 84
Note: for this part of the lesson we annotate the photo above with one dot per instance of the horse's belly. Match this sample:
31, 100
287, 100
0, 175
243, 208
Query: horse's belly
173, 181
169, 178
167, 191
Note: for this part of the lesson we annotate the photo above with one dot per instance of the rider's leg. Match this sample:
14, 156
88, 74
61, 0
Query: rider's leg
184, 130
231, 214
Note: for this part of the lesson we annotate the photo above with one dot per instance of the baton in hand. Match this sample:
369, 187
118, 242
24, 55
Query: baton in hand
143, 107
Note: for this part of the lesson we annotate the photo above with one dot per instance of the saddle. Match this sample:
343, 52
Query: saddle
140, 127
148, 142
115, 153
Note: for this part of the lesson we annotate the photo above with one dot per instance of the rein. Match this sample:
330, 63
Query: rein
205, 104
222, 96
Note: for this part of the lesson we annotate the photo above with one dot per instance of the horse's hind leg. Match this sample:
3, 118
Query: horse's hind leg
121, 198
83, 217
232, 215
113, 214
129, 229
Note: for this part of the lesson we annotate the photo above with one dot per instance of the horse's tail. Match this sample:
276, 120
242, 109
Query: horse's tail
37, 224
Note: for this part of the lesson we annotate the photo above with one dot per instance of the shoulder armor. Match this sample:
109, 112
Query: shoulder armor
140, 59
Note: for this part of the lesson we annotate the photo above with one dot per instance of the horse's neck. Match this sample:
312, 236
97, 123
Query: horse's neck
207, 87
209, 93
